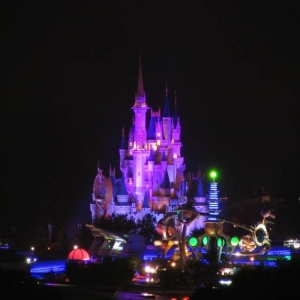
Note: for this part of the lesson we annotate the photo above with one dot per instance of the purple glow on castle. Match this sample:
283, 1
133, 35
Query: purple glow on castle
152, 166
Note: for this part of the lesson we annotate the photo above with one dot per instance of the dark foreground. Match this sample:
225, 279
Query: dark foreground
249, 283
132, 292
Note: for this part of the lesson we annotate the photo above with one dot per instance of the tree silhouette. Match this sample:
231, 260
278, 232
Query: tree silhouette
118, 224
146, 228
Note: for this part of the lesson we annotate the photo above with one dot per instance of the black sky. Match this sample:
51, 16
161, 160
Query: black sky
69, 74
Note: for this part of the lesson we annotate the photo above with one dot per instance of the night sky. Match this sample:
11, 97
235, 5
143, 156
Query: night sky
69, 74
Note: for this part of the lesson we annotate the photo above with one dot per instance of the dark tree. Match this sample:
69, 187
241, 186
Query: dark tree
146, 228
118, 224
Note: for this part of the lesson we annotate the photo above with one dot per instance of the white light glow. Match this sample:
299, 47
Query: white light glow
225, 282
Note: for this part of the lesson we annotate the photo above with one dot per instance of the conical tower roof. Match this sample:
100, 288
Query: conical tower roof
166, 184
123, 190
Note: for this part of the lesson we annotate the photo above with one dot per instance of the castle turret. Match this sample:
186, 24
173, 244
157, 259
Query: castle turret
140, 139
163, 161
131, 138
176, 143
166, 119
176, 123
140, 109
146, 207
158, 132
154, 118
122, 151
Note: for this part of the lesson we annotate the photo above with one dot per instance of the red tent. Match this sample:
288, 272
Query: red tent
79, 254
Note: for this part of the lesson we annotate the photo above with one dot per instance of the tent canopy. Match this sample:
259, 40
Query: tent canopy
79, 254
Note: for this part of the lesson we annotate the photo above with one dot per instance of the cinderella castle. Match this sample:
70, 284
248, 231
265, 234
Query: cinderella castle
153, 178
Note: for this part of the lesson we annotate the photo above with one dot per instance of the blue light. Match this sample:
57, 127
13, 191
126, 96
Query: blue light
48, 266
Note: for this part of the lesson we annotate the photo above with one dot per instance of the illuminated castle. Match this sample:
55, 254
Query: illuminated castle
153, 169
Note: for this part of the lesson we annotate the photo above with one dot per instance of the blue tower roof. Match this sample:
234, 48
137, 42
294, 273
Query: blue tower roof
146, 200
151, 156
164, 157
151, 128
123, 190
115, 186
123, 142
166, 184
200, 190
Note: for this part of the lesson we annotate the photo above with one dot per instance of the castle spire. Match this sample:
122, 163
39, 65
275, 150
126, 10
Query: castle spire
166, 89
140, 87
175, 118
123, 144
166, 107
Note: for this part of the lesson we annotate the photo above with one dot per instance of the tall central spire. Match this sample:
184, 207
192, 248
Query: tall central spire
166, 107
140, 95
166, 89
140, 88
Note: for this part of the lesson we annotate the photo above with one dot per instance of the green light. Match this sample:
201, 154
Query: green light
213, 174
193, 241
205, 240
220, 242
234, 241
